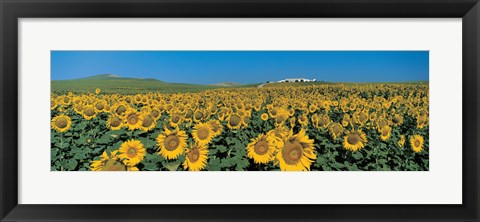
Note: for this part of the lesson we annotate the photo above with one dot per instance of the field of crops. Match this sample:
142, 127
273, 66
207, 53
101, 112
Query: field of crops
331, 127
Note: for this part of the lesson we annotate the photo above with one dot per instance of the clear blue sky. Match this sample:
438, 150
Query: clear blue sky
207, 67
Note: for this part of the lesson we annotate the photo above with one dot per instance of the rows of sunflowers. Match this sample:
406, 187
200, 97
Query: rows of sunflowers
327, 127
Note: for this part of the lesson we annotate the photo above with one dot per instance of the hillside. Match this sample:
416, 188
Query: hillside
110, 83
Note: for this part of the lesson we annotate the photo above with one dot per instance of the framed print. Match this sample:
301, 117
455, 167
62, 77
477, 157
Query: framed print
226, 110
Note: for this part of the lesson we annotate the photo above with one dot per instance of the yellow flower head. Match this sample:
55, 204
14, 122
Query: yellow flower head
261, 149
171, 143
61, 123
132, 152
354, 140
195, 158
110, 163
297, 152
416, 141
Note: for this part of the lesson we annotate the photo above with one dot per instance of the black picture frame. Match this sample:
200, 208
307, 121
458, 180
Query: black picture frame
11, 11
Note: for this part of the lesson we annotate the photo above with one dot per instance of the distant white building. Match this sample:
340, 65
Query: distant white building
298, 80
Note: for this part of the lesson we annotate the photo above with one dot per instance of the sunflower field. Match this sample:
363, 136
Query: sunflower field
328, 127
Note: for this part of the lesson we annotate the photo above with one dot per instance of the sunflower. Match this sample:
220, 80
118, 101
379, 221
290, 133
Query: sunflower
292, 121
397, 120
156, 113
416, 141
195, 157
120, 109
78, 108
279, 120
145, 109
61, 123
335, 130
264, 116
171, 143
278, 134
148, 122
202, 133
175, 119
217, 127
234, 121
312, 108
133, 120
132, 152
401, 141
272, 112
114, 122
385, 132
98, 91
261, 149
100, 105
89, 112
198, 115
354, 140
303, 120
110, 163
53, 104
297, 152
421, 121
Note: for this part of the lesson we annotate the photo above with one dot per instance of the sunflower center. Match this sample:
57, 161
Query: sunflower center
189, 114
261, 147
321, 121
89, 111
175, 118
155, 113
363, 117
193, 155
100, 106
203, 133
353, 139
215, 127
132, 119
279, 119
147, 121
416, 143
385, 132
396, 119
198, 115
171, 142
115, 122
131, 152
113, 165
61, 122
234, 120
336, 129
292, 152
121, 109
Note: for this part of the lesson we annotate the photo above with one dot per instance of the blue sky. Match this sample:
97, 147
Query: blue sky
207, 67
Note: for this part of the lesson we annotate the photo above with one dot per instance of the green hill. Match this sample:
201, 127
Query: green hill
110, 83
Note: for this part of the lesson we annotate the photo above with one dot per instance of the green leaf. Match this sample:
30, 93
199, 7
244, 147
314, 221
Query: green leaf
148, 144
71, 164
53, 154
61, 145
80, 156
242, 164
214, 165
150, 166
357, 155
221, 148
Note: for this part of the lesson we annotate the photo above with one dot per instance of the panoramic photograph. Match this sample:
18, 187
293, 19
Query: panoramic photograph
239, 111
